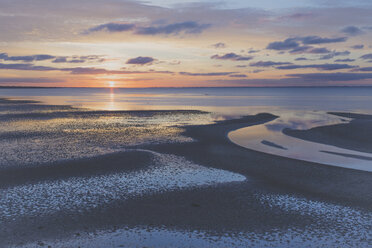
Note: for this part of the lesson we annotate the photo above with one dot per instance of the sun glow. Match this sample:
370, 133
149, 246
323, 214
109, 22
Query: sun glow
111, 84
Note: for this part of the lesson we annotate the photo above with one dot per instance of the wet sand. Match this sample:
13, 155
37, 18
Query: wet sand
355, 135
215, 149
278, 195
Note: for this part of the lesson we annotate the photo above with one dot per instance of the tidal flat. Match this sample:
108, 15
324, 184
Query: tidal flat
75, 177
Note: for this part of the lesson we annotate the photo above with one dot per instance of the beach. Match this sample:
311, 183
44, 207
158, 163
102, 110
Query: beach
185, 124
191, 184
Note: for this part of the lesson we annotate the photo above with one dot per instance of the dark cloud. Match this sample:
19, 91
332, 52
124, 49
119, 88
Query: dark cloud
189, 27
335, 54
313, 40
253, 51
310, 49
30, 80
30, 58
364, 69
318, 50
367, 56
111, 27
140, 61
268, 63
352, 30
324, 67
290, 43
91, 70
55, 59
339, 76
174, 29
357, 46
344, 60
301, 59
301, 49
219, 45
78, 59
232, 56
60, 60
25, 67
74, 70
294, 44
238, 75
206, 74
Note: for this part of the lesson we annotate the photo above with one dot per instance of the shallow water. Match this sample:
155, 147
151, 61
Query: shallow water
168, 172
36, 134
269, 138
33, 133
351, 228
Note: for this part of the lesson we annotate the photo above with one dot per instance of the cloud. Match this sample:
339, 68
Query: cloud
339, 76
189, 27
219, 45
111, 27
357, 46
310, 49
318, 50
352, 31
287, 44
238, 76
140, 61
26, 67
344, 60
206, 74
74, 70
366, 56
30, 58
253, 51
335, 54
60, 60
294, 44
268, 63
232, 56
301, 49
176, 28
313, 40
55, 59
30, 80
301, 59
325, 67
364, 69
78, 59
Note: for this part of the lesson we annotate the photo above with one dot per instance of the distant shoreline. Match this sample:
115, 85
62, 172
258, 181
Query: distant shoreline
222, 87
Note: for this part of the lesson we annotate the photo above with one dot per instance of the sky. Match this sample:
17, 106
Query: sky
193, 43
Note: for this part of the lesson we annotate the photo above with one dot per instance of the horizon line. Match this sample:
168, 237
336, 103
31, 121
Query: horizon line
194, 87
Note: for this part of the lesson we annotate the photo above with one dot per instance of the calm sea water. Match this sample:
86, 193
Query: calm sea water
223, 100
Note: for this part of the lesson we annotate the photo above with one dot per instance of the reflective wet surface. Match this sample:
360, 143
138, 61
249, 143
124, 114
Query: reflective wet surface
269, 138
168, 172
36, 135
